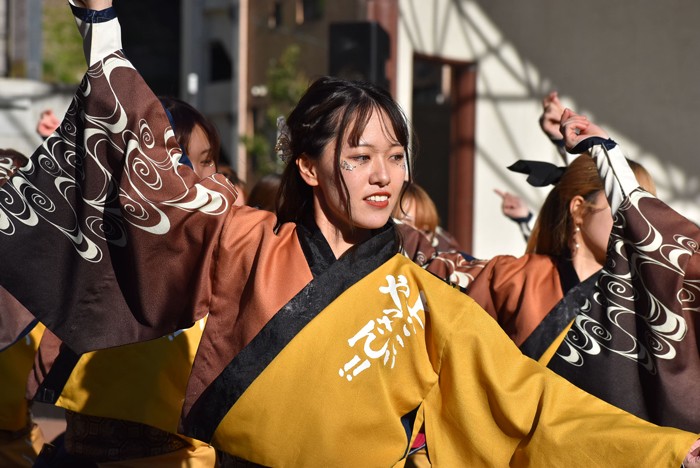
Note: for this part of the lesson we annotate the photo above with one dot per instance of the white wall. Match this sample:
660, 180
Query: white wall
630, 66
21, 105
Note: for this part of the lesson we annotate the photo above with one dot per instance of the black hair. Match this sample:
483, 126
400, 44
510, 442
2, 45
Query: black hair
185, 118
324, 115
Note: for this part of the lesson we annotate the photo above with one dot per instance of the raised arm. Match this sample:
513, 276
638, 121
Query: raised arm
633, 345
98, 24
582, 136
108, 238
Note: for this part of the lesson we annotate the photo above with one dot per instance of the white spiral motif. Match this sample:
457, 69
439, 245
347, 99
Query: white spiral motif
68, 127
146, 134
84, 202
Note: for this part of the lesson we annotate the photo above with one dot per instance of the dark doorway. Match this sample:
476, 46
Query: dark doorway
431, 120
444, 96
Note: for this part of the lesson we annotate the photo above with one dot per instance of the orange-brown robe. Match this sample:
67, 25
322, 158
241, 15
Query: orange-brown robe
517, 292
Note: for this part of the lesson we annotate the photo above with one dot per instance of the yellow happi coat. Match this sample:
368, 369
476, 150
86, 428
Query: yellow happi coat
401, 348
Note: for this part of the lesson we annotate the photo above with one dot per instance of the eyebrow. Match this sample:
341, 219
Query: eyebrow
367, 145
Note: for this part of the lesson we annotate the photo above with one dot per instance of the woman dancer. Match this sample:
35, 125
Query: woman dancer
323, 346
196, 134
634, 342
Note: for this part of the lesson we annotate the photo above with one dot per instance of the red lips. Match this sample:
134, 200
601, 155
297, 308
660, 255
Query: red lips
378, 204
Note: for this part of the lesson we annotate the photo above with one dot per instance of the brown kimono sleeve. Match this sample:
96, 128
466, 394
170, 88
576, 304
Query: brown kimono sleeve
517, 292
634, 343
107, 238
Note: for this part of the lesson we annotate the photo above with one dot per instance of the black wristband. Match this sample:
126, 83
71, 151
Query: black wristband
590, 142
523, 220
94, 16
558, 142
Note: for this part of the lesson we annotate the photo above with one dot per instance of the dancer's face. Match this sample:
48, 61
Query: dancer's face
198, 150
373, 171
595, 224
596, 228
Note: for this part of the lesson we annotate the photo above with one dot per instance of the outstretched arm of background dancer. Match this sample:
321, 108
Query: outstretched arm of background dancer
513, 206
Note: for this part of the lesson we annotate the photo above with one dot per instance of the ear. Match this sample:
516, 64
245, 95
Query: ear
307, 169
575, 206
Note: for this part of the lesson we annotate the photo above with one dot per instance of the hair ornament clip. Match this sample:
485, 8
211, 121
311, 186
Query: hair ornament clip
283, 148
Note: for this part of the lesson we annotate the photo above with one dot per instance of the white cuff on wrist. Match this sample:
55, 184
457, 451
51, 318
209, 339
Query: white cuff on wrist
618, 179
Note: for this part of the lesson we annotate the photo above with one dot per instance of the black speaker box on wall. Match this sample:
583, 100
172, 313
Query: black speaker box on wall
359, 51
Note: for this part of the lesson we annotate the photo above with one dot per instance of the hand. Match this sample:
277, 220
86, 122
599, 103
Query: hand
572, 122
551, 116
96, 5
692, 460
513, 206
48, 123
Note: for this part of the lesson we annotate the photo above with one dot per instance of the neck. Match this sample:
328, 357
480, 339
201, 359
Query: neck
585, 263
339, 235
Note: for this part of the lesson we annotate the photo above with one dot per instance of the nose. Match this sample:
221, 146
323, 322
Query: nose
380, 173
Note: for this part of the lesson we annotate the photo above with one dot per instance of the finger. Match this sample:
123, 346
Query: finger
570, 126
568, 114
556, 101
552, 114
574, 120
501, 194
573, 124
695, 448
546, 100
